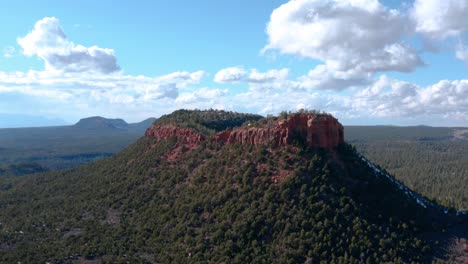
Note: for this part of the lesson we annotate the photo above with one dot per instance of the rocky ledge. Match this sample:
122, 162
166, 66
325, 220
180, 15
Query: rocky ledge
321, 131
314, 130
186, 135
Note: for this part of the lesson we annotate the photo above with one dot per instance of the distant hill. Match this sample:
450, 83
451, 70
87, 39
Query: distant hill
224, 187
60, 147
412, 133
430, 160
97, 122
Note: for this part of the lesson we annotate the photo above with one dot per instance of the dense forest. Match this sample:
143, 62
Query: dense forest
430, 160
217, 203
19, 169
207, 122
433, 161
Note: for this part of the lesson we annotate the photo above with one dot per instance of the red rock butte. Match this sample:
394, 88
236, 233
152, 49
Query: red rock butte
186, 135
314, 130
321, 131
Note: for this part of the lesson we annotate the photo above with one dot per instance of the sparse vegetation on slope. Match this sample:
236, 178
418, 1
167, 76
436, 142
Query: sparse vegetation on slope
215, 203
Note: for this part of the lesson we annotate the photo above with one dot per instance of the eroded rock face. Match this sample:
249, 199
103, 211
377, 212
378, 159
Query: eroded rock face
186, 135
312, 130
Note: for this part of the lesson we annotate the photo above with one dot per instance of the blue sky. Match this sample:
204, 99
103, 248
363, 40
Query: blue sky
365, 61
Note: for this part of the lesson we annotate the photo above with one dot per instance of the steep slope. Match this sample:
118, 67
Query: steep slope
184, 194
143, 125
430, 160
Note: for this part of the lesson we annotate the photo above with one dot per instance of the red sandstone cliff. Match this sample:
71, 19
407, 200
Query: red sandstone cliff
187, 135
314, 130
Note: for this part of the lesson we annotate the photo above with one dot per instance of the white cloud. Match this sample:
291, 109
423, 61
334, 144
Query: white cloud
269, 81
207, 93
139, 96
360, 36
327, 77
440, 19
354, 40
382, 99
115, 88
394, 98
161, 91
76, 78
202, 94
48, 41
230, 75
81, 94
182, 77
388, 98
272, 75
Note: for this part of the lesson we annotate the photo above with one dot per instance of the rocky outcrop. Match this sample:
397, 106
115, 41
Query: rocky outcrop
185, 135
315, 131
322, 131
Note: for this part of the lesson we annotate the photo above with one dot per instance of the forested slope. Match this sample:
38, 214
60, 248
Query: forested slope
218, 202
430, 160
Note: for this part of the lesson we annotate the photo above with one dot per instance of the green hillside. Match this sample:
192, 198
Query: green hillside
430, 160
220, 204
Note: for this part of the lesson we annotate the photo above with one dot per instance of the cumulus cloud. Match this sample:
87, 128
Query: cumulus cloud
257, 80
389, 98
440, 19
116, 88
327, 77
83, 94
77, 78
354, 40
275, 79
230, 75
394, 98
362, 36
272, 75
48, 41
202, 94
183, 77
161, 91
383, 98
140, 96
